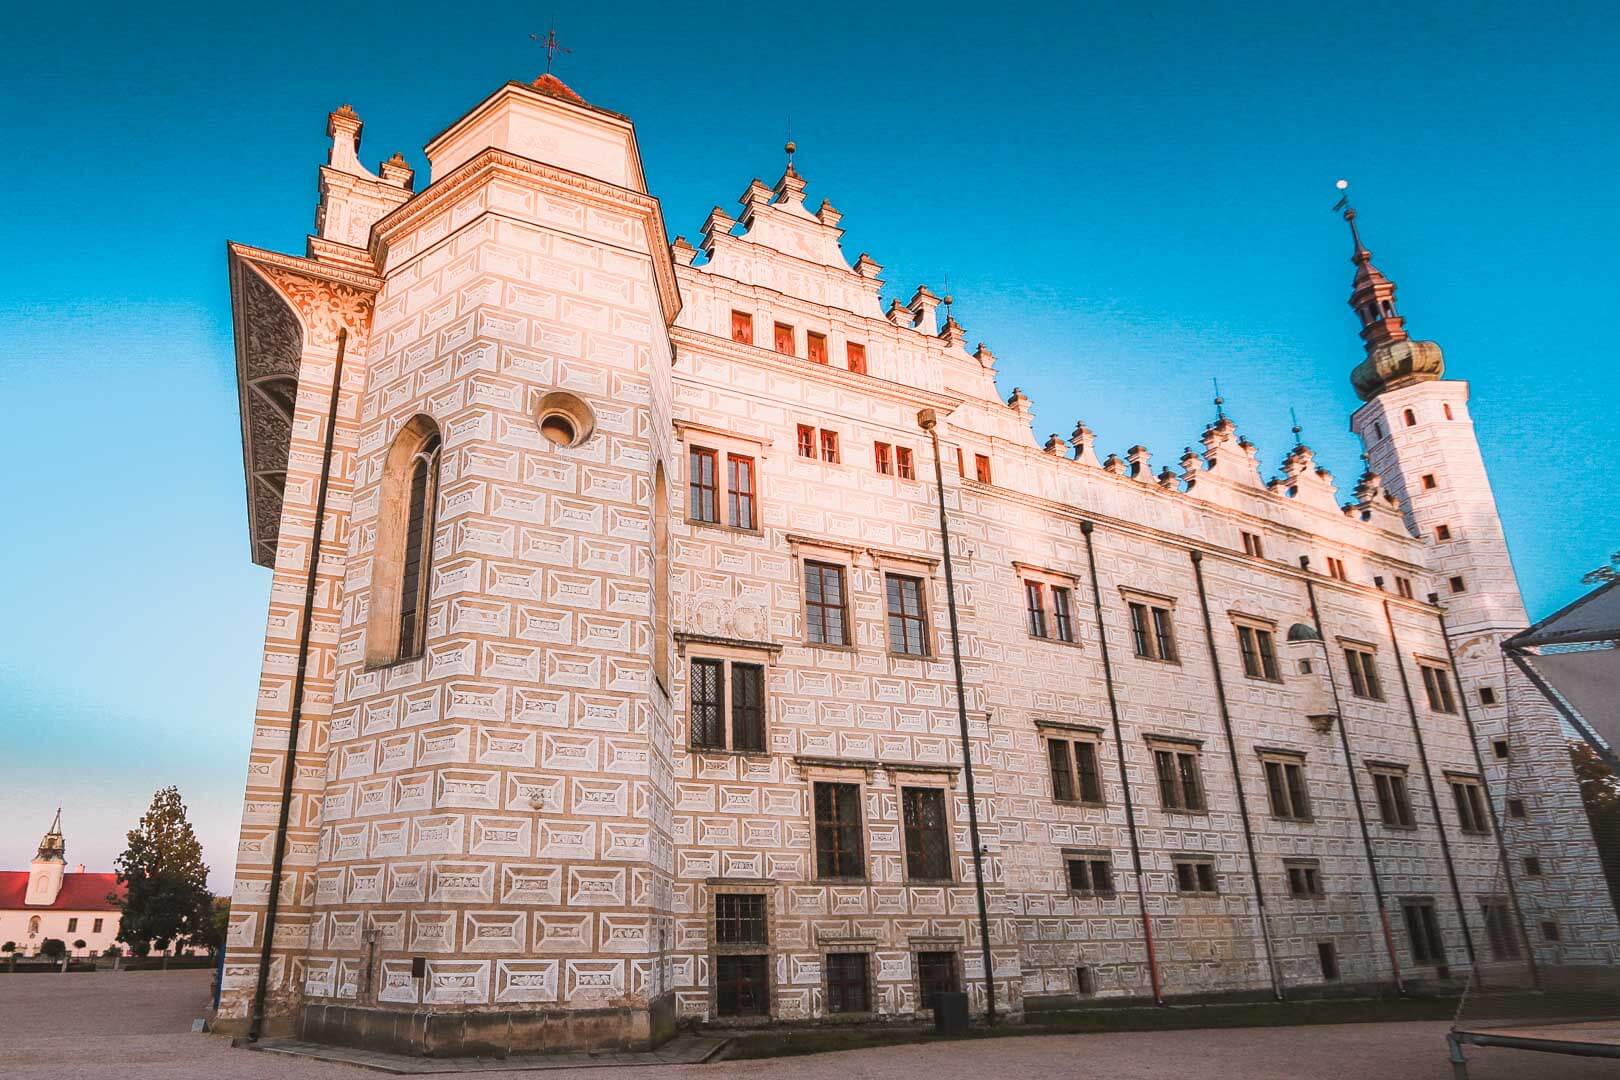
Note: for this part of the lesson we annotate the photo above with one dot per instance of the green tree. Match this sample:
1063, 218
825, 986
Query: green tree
167, 901
54, 949
10, 949
1600, 791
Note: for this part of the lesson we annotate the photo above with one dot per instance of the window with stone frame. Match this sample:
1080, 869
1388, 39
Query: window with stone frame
727, 704
829, 446
1285, 785
1423, 931
937, 973
1181, 785
742, 327
1469, 795
1252, 545
739, 938
883, 458
1327, 960
840, 848
722, 478
1394, 798
1258, 647
1090, 873
1403, 587
740, 491
784, 339
826, 605
1075, 772
740, 919
402, 568
806, 441
702, 484
1035, 603
927, 834
1336, 569
981, 468
849, 984
905, 466
1437, 685
1152, 629
1364, 681
1501, 930
815, 347
1304, 879
1195, 875
904, 600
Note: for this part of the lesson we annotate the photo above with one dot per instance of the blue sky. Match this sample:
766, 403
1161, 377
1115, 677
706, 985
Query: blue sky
1127, 201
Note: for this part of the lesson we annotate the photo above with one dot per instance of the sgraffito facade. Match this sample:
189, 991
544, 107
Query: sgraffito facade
621, 689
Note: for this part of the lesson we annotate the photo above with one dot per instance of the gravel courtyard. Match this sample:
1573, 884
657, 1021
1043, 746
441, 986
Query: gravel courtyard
137, 1026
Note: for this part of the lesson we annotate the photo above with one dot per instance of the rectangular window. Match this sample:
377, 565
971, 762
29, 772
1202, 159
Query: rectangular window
1403, 586
961, 467
1090, 875
1062, 613
1259, 651
1423, 932
742, 327
855, 356
936, 974
95, 928
1152, 631
1285, 783
1394, 802
784, 338
839, 851
708, 704
1442, 532
904, 466
739, 919
1549, 931
1180, 787
824, 604
807, 441
1502, 748
981, 468
1085, 981
1304, 879
1195, 876
815, 347
907, 623
747, 706
848, 990
829, 446
73, 925
1457, 584
1429, 482
1327, 958
740, 490
1437, 684
1336, 569
702, 485
928, 845
1252, 545
1075, 775
1532, 866
1471, 816
883, 458
1035, 602
742, 985
1487, 695
1363, 674
1516, 809
1499, 929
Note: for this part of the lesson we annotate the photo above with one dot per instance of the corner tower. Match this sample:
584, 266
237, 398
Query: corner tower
1420, 441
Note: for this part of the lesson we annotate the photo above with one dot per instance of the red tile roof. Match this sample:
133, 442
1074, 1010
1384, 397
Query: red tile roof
550, 85
80, 892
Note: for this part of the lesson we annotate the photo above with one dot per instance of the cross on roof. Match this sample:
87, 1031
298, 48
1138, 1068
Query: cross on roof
551, 45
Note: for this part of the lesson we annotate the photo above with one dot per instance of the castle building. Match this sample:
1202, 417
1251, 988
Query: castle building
609, 677
50, 901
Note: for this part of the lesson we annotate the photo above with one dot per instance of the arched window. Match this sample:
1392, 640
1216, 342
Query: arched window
660, 575
396, 625
1410, 417
33, 926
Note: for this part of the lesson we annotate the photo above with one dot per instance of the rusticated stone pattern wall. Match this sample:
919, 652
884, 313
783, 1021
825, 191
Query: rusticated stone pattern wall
492, 805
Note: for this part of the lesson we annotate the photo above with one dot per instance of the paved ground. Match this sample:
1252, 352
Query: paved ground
136, 1026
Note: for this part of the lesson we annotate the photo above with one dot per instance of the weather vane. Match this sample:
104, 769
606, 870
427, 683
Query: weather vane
1292, 415
1220, 413
550, 44
949, 299
1344, 197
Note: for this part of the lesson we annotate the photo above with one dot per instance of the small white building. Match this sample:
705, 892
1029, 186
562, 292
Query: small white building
47, 901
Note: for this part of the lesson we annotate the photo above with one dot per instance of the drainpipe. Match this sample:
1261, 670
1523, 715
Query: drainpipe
929, 422
295, 719
1434, 798
1484, 778
1237, 779
1355, 788
1119, 750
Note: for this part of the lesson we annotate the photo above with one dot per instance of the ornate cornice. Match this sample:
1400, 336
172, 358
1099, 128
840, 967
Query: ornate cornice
477, 170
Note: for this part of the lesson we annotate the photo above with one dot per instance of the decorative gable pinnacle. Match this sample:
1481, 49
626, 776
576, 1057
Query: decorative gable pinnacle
1084, 442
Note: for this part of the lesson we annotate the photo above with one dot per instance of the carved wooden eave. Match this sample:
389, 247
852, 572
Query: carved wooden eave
442, 194
279, 305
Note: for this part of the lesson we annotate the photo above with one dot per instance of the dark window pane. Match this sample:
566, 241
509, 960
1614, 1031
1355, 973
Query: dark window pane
707, 695
418, 550
739, 919
1034, 602
906, 623
824, 603
701, 487
740, 491
839, 852
927, 840
1163, 636
747, 707
936, 974
1062, 614
1085, 759
1057, 752
847, 988
742, 985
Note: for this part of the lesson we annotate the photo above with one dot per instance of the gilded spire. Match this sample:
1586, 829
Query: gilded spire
1393, 358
